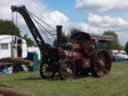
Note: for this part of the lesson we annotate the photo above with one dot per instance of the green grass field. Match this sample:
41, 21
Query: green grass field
115, 84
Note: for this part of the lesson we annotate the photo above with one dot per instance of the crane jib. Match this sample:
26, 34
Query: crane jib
34, 31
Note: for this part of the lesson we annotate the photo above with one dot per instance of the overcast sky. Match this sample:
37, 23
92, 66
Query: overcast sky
92, 16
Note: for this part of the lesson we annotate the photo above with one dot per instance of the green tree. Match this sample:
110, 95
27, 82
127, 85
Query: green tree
74, 30
29, 41
126, 47
8, 28
115, 43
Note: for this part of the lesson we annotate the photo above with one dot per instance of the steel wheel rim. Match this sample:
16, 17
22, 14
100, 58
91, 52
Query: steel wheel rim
45, 71
66, 71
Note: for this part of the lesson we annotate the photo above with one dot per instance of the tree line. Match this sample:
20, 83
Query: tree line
9, 28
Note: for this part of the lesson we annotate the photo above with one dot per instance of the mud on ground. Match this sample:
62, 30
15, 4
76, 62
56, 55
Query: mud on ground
12, 92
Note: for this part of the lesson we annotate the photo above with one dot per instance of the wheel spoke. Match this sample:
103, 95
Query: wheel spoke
46, 71
66, 70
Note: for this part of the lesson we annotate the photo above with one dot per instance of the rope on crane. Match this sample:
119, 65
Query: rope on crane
42, 29
43, 26
49, 32
41, 20
13, 37
40, 26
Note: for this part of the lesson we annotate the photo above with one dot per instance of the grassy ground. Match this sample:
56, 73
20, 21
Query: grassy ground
115, 84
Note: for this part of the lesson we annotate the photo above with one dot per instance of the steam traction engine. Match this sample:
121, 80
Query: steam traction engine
70, 56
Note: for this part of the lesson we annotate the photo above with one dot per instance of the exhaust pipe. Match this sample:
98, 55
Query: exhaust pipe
59, 34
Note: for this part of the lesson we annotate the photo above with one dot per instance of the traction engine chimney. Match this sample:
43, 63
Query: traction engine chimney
59, 34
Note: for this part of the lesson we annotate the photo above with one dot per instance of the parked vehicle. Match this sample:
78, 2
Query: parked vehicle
119, 55
123, 54
70, 56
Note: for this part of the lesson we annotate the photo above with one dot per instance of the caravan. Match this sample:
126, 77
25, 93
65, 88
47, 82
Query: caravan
12, 46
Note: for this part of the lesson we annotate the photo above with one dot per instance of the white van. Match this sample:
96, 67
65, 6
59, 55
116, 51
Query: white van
120, 53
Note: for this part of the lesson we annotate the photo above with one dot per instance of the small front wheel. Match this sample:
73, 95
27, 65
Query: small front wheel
101, 64
46, 71
66, 70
